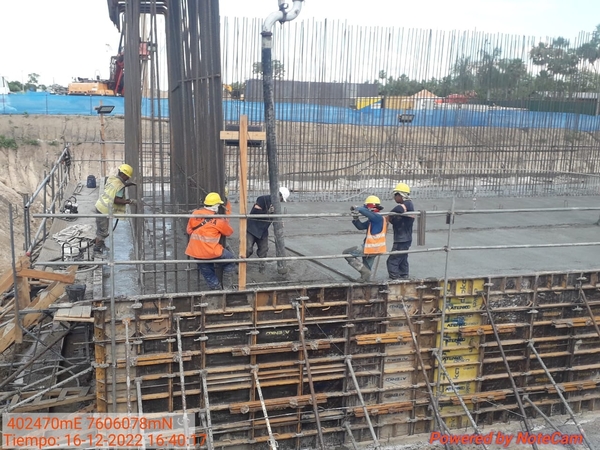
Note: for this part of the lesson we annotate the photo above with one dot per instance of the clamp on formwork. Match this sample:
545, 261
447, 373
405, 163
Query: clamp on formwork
485, 297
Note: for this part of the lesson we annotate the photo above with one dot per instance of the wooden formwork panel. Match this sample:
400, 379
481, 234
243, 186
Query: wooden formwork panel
385, 336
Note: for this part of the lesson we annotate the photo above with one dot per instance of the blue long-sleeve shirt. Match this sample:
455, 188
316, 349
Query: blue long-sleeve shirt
373, 219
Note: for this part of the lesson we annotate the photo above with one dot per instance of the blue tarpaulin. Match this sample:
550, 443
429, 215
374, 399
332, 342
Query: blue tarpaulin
444, 116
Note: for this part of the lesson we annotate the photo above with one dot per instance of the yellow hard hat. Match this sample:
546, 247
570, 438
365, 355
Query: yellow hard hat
126, 169
213, 199
372, 199
402, 188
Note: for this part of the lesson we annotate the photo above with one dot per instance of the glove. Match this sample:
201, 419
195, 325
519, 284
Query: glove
354, 212
132, 201
271, 209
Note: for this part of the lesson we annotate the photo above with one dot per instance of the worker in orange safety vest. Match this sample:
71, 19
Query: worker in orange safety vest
205, 234
374, 243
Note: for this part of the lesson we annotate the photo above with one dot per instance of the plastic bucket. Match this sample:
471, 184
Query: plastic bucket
75, 292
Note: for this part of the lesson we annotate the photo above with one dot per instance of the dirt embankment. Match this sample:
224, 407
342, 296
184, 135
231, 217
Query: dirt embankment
29, 147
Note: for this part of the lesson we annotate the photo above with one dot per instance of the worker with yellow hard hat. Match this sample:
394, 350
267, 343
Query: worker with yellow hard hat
205, 236
113, 196
397, 265
374, 242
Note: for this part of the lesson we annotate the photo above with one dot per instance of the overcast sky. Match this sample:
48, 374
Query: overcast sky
63, 39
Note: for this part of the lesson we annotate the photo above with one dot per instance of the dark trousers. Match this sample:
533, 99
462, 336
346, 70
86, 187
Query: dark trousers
208, 269
397, 265
262, 245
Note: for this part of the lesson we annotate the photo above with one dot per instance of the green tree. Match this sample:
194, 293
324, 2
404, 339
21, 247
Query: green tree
278, 69
463, 79
557, 58
15, 86
32, 82
590, 51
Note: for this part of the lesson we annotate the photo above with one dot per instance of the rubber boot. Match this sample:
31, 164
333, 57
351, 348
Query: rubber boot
365, 274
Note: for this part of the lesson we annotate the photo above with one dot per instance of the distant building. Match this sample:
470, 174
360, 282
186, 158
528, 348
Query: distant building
424, 100
316, 93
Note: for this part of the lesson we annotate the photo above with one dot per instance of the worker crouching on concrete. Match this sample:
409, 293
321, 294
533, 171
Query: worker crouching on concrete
113, 194
374, 243
205, 234
397, 265
257, 231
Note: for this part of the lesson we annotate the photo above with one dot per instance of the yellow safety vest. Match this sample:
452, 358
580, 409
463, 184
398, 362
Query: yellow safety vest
111, 189
375, 243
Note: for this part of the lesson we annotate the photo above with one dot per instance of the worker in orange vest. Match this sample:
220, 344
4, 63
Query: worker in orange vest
205, 234
374, 243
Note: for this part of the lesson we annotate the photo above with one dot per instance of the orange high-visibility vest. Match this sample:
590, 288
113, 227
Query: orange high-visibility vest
375, 243
205, 234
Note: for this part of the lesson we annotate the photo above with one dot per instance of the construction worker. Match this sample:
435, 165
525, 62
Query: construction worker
397, 265
113, 194
374, 242
257, 230
205, 234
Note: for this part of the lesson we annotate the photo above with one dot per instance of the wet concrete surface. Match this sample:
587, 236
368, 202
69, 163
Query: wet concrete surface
329, 236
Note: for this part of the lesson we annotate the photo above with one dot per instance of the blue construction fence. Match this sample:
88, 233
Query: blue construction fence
444, 116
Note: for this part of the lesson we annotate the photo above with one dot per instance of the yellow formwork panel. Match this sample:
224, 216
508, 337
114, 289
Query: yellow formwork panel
459, 373
457, 341
460, 356
462, 304
463, 388
463, 287
453, 322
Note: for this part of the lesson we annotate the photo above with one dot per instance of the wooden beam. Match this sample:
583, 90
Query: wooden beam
251, 135
44, 275
44, 299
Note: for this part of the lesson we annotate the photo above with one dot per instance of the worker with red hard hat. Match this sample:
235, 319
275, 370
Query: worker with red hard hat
374, 243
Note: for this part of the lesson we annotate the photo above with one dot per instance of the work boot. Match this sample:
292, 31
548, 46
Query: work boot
365, 274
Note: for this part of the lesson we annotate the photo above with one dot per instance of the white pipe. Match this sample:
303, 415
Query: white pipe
282, 15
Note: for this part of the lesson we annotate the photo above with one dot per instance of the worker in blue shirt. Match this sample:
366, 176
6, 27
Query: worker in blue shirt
374, 242
397, 265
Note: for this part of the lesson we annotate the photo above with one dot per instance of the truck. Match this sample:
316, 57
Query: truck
85, 86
